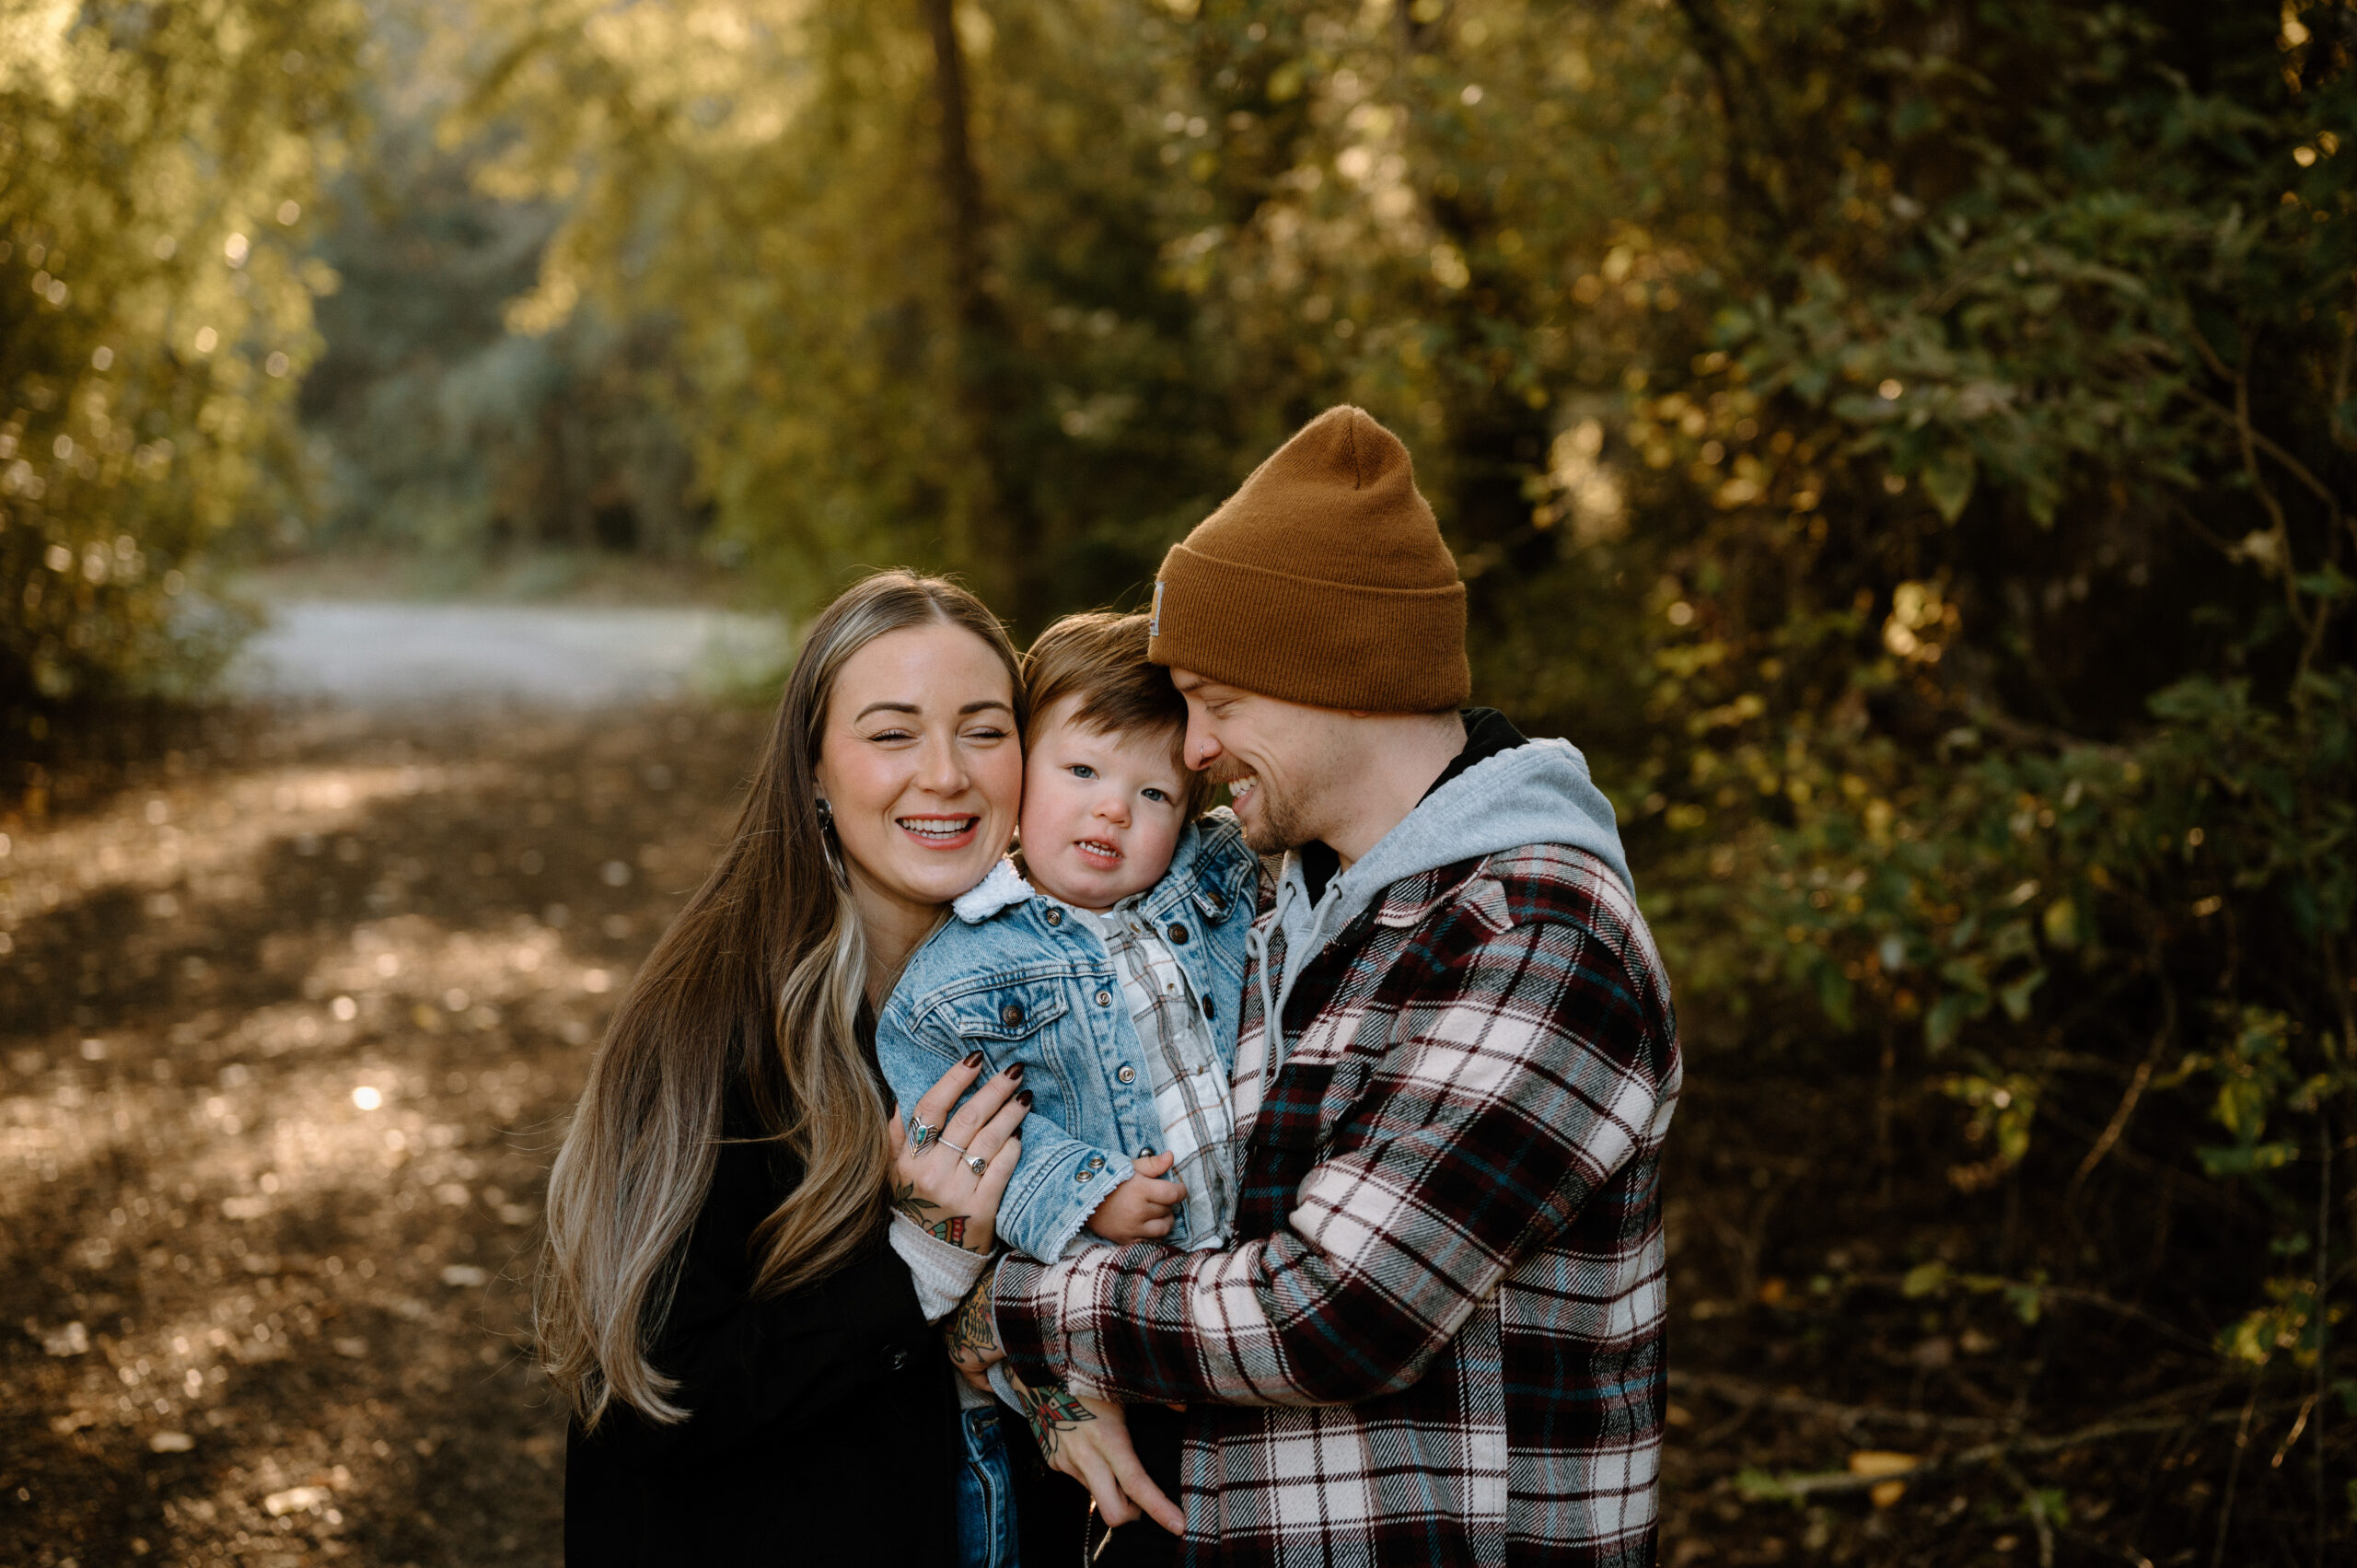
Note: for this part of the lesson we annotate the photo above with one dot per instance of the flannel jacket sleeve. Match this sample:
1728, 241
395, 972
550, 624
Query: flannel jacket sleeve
1518, 1073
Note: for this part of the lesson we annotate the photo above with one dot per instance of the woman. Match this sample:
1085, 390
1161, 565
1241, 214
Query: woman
751, 1376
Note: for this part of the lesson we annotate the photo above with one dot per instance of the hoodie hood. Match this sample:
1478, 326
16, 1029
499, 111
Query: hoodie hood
1538, 793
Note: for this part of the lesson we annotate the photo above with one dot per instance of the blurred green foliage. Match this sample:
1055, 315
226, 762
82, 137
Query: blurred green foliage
439, 433
156, 164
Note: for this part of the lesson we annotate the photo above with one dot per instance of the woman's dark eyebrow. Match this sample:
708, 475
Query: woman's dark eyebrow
912, 708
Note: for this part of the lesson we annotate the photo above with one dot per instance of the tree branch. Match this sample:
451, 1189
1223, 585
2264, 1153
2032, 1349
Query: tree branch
1798, 1486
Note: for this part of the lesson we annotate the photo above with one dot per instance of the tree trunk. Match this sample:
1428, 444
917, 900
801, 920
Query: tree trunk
986, 536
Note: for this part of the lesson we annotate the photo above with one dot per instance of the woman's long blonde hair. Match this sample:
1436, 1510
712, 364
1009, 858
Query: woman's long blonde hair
763, 975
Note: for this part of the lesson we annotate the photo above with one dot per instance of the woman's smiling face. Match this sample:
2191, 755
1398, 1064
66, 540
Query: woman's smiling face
923, 770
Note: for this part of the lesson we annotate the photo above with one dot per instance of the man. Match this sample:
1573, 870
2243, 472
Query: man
1438, 1338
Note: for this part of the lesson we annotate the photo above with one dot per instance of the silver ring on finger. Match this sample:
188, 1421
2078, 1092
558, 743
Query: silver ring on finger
948, 1145
920, 1136
976, 1164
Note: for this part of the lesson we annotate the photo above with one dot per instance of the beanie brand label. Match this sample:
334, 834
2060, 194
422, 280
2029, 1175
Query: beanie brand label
1153, 626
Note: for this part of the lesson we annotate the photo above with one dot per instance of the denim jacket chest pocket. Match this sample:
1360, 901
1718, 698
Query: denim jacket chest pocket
1017, 1021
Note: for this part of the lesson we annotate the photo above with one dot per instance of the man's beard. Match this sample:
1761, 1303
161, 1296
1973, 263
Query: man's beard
1277, 826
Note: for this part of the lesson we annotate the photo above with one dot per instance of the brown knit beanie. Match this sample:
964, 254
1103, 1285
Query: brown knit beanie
1322, 580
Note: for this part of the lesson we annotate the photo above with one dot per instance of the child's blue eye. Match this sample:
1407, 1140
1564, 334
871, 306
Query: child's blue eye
1083, 771
1153, 794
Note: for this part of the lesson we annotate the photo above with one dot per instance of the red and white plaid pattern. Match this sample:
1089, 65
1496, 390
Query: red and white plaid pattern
1439, 1337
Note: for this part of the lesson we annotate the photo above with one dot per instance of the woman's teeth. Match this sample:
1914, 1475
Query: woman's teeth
936, 828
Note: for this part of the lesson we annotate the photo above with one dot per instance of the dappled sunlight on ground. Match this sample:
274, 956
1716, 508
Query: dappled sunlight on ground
287, 1039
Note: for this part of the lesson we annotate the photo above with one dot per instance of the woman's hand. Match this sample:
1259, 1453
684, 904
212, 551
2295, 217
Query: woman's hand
948, 1172
1089, 1441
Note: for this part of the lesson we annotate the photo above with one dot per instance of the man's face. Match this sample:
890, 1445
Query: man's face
1276, 757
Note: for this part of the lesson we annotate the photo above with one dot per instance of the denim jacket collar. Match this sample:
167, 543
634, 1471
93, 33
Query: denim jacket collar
1176, 891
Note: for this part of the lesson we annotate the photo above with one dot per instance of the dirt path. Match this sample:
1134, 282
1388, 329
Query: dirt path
399, 654
282, 1040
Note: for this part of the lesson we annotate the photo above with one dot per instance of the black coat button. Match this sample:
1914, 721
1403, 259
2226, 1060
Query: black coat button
1209, 1010
1011, 1015
895, 1359
1178, 934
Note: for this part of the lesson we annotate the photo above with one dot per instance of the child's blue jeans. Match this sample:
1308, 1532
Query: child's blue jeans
985, 1492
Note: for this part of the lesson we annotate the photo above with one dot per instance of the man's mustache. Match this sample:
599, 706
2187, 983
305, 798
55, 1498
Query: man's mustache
1226, 772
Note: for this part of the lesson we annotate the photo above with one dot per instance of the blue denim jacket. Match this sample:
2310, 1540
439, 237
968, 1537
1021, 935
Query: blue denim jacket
1023, 978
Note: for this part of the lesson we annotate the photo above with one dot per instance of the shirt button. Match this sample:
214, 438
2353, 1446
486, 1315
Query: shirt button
1146, 1153
1104, 999
1209, 1011
1128, 1074
1055, 917
1178, 934
1011, 1015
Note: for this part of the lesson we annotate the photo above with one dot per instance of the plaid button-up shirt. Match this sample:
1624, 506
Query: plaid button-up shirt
1190, 1090
1438, 1338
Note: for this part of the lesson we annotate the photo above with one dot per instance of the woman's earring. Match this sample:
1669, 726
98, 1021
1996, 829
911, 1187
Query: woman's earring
830, 844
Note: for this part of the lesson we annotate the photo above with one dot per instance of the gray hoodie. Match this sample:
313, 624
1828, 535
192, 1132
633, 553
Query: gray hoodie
1538, 793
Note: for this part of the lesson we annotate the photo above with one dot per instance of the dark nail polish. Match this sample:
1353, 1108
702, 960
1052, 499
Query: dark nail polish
975, 1060
1024, 1099
1015, 1074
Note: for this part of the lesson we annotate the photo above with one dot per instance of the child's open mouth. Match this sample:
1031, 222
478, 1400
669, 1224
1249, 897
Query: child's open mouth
939, 832
1097, 853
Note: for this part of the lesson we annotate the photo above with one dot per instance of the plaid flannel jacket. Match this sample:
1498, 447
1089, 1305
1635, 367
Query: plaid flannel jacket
1439, 1337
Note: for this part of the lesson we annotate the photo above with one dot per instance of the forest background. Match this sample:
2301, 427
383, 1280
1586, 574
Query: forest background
1909, 444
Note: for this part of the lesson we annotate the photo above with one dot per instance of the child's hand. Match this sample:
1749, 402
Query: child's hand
1139, 1209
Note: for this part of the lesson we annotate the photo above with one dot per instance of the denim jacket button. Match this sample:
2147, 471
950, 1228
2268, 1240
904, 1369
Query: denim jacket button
1177, 934
1083, 1174
1209, 1010
1128, 1074
1104, 999
1055, 917
1011, 1015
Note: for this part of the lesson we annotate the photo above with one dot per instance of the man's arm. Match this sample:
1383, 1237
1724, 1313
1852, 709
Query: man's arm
1533, 1075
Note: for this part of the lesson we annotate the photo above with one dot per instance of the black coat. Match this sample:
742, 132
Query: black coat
823, 1426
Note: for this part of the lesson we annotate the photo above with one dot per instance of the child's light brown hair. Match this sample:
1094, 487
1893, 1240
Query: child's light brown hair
1100, 658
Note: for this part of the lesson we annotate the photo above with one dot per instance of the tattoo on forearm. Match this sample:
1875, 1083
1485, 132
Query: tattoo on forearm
1053, 1411
972, 1329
